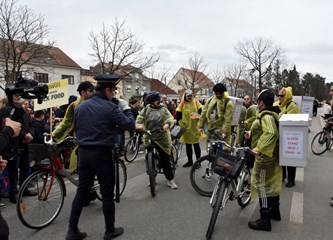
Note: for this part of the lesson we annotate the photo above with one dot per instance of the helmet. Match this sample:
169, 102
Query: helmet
153, 96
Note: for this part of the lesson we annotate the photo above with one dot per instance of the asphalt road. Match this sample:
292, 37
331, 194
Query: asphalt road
183, 214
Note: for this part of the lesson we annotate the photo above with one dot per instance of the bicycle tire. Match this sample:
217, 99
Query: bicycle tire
174, 155
122, 181
203, 179
151, 173
36, 212
217, 207
245, 194
64, 154
131, 149
173, 162
319, 143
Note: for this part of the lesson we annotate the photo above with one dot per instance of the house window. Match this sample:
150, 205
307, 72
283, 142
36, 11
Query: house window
178, 82
129, 88
41, 77
70, 79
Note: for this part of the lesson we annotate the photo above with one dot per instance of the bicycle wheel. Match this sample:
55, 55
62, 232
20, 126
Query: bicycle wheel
151, 173
39, 211
319, 143
64, 154
122, 181
131, 149
202, 177
217, 206
244, 182
174, 155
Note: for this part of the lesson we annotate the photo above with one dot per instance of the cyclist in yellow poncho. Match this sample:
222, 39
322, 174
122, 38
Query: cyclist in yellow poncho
266, 174
216, 113
287, 106
155, 116
188, 112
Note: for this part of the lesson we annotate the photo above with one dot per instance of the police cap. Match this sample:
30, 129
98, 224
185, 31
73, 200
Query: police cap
107, 78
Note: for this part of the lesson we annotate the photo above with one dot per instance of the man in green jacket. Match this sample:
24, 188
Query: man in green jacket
86, 90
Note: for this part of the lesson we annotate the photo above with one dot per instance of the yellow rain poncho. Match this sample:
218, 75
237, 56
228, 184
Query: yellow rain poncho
187, 108
64, 128
251, 115
287, 106
224, 115
267, 173
153, 118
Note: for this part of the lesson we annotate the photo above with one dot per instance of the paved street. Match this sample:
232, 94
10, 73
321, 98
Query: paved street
183, 214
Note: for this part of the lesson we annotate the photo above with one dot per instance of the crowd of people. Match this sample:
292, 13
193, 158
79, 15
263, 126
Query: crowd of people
98, 120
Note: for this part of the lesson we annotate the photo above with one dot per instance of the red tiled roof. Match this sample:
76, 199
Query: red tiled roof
240, 83
157, 85
201, 78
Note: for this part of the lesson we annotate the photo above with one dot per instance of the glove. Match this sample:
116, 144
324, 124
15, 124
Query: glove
123, 105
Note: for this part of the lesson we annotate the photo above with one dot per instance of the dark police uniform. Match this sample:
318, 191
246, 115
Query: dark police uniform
95, 123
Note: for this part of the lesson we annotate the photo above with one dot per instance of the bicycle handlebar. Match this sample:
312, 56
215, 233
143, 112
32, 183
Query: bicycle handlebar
51, 142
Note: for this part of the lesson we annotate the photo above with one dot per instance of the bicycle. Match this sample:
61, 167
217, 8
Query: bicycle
228, 186
39, 211
323, 141
152, 160
202, 176
177, 146
132, 147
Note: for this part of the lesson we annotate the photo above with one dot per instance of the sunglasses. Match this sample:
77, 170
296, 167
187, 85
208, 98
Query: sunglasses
281, 95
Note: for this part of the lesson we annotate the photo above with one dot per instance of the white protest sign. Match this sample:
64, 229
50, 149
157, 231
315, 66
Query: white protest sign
57, 96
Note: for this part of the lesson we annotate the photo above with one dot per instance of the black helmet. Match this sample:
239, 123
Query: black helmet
153, 96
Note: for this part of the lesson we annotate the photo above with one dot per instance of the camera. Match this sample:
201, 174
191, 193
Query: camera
28, 89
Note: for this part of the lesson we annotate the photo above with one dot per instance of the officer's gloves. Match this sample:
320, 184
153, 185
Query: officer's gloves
123, 105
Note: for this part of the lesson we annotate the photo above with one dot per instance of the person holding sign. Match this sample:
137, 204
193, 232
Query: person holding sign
86, 90
287, 106
267, 173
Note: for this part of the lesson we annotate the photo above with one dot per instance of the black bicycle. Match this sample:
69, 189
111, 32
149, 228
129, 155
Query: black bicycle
132, 147
323, 140
232, 184
152, 160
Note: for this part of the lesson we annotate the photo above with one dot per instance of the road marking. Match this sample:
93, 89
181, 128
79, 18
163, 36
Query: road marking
300, 175
296, 211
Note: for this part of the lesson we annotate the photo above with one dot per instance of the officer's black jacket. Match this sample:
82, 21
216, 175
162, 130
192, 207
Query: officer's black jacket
97, 119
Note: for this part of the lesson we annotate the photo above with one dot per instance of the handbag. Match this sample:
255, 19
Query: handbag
177, 131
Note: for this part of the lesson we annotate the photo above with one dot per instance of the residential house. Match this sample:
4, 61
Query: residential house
132, 84
197, 81
157, 85
56, 65
239, 87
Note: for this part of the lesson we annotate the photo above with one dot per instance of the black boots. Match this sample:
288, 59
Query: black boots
111, 234
275, 212
264, 223
75, 234
188, 164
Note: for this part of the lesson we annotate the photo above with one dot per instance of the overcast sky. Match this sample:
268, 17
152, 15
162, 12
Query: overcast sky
178, 28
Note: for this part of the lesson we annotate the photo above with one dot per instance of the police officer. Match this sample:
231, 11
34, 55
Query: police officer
95, 124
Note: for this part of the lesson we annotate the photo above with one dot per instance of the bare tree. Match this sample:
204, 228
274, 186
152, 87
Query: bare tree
116, 47
161, 74
217, 75
195, 69
22, 38
233, 73
260, 53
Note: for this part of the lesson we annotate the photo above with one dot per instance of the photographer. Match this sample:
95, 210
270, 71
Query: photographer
10, 129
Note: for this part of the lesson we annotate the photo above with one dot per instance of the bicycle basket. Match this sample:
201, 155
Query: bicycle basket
228, 165
177, 131
38, 151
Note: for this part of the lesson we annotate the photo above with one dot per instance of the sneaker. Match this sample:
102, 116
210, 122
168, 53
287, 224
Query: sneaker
2, 205
29, 193
290, 184
172, 184
113, 234
188, 164
331, 203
